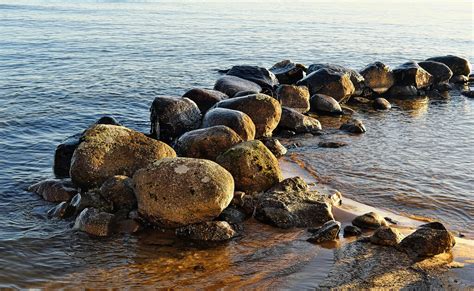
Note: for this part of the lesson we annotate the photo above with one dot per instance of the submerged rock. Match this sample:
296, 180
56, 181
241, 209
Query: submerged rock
230, 85
171, 117
207, 231
458, 65
370, 220
411, 74
94, 222
386, 236
353, 126
325, 81
109, 150
238, 121
90, 199
459, 79
382, 104
402, 91
294, 97
297, 122
378, 77
118, 190
252, 165
206, 143
328, 232
261, 76
468, 93
205, 98
288, 72
174, 192
356, 78
264, 111
325, 104
62, 210
332, 144
54, 190
275, 146
351, 230
440, 72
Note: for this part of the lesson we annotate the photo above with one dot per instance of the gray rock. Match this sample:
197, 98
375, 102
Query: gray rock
207, 231
329, 82
402, 91
459, 79
205, 98
118, 190
62, 210
459, 65
244, 93
353, 126
90, 199
297, 122
369, 220
381, 104
261, 76
351, 230
275, 146
54, 190
332, 144
230, 85
232, 215
356, 78
325, 104
94, 222
378, 77
238, 121
386, 236
411, 74
440, 72
328, 232
294, 97
288, 72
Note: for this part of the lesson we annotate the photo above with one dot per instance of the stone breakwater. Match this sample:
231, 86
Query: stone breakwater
210, 161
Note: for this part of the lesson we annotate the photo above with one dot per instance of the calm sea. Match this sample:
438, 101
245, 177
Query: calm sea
63, 65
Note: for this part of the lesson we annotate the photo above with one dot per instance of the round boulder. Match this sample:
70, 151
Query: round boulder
428, 240
458, 65
288, 72
381, 104
230, 85
325, 104
238, 121
329, 82
356, 78
440, 72
261, 76
205, 98
411, 74
386, 236
378, 77
297, 122
294, 97
369, 220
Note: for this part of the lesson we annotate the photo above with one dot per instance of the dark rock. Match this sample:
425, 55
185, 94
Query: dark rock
127, 226
360, 100
294, 97
356, 78
443, 87
230, 85
174, 192
207, 231
332, 144
206, 143
335, 198
240, 122
286, 133
297, 122
382, 104
459, 79
62, 210
440, 72
325, 81
261, 76
290, 184
369, 220
244, 93
232, 215
386, 236
288, 72
353, 126
328, 232
402, 91
118, 190
63, 155
351, 230
54, 190
90, 199
468, 93
458, 65
107, 119
94, 222
205, 98
411, 74
275, 146
378, 77
325, 104
171, 117
252, 165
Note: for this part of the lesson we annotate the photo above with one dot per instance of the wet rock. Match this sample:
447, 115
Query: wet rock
62, 210
329, 82
206, 143
118, 190
297, 122
245, 93
335, 198
205, 98
288, 72
94, 222
288, 206
458, 65
290, 184
328, 232
286, 133
90, 199
332, 144
264, 111
325, 104
171, 117
109, 150
468, 93
54, 190
238, 121
261, 76
232, 215
230, 85
127, 226
174, 192
369, 220
378, 77
402, 91
386, 236
294, 97
353, 126
411, 74
360, 100
459, 79
275, 146
207, 231
252, 165
440, 72
382, 104
356, 78
428, 240
351, 230
443, 87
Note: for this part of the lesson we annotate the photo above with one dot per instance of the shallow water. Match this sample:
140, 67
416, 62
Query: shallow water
63, 65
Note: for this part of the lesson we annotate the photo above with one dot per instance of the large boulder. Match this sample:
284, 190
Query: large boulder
252, 165
297, 122
175, 192
378, 77
109, 150
238, 121
264, 111
329, 82
261, 76
440, 72
171, 117
356, 78
293, 205
325, 104
206, 143
54, 190
207, 231
294, 97
411, 74
230, 85
205, 98
459, 65
288, 72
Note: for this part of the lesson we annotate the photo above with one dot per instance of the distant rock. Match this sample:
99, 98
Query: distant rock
205, 98
458, 65
230, 85
294, 97
378, 77
238, 121
261, 76
54, 190
329, 82
328, 232
288, 72
356, 78
440, 72
370, 220
207, 231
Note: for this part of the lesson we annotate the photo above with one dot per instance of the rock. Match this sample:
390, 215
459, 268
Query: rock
294, 97
443, 87
171, 117
458, 65
360, 100
411, 74
356, 78
381, 104
386, 236
244, 93
332, 144
288, 72
94, 222
252, 165
297, 122
205, 98
238, 121
261, 76
351, 230
232, 215
329, 82
459, 79
206, 143
328, 232
378, 77
118, 190
325, 104
54, 190
127, 226
275, 146
335, 198
174, 192
264, 111
369, 220
353, 126
230, 85
286, 133
468, 93
62, 210
207, 231
290, 184
402, 91
109, 150
440, 72
428, 240
90, 199
288, 205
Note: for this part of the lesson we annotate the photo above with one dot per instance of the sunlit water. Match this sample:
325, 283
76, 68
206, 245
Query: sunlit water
64, 65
